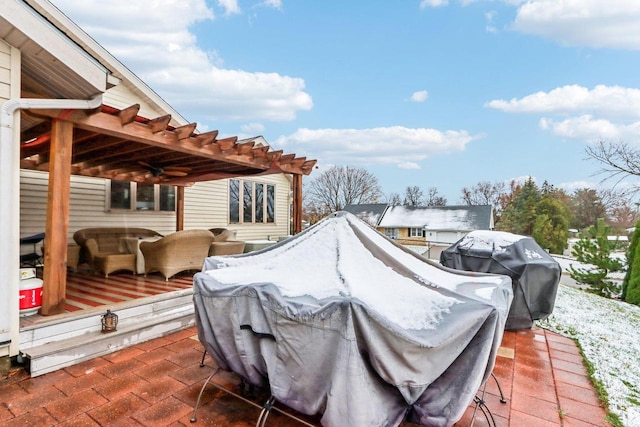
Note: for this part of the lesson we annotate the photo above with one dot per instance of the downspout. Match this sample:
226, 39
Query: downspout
10, 201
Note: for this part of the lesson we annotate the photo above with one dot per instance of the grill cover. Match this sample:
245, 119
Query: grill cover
341, 321
535, 274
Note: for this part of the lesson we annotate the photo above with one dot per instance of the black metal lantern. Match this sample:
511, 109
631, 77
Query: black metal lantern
109, 322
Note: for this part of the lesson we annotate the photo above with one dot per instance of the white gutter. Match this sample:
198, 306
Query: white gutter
10, 206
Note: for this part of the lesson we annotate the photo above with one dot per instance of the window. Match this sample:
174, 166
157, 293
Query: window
271, 203
391, 233
258, 202
416, 232
234, 201
259, 211
145, 197
247, 202
120, 195
124, 195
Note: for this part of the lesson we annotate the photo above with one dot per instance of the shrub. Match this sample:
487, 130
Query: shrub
595, 248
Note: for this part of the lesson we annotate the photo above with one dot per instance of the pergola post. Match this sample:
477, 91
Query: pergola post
179, 208
57, 222
297, 203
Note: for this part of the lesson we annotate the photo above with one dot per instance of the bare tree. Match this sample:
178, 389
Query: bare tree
619, 160
435, 199
483, 193
413, 196
340, 186
394, 199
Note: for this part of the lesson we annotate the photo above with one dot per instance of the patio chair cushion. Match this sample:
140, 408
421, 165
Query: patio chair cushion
177, 252
230, 247
224, 242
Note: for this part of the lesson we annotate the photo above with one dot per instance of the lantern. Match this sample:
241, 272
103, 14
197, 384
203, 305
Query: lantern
109, 322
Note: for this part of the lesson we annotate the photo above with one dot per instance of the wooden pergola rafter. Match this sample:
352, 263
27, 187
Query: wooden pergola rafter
121, 145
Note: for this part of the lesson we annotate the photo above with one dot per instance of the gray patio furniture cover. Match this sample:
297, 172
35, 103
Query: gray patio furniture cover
535, 274
341, 321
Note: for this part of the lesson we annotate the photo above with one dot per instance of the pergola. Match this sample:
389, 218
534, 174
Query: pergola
109, 143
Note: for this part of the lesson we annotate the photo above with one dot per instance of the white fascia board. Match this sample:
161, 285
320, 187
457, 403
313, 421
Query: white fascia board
41, 32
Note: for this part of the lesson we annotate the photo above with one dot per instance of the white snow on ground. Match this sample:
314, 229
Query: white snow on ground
609, 333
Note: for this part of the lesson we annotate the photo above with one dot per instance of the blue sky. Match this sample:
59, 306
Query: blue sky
433, 93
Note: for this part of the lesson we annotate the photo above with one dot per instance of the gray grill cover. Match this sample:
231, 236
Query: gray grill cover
341, 321
535, 274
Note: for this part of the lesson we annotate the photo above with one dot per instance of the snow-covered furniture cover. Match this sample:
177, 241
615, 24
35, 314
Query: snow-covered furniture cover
340, 320
535, 274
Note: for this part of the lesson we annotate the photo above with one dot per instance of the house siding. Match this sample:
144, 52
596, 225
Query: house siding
5, 71
121, 96
206, 206
86, 207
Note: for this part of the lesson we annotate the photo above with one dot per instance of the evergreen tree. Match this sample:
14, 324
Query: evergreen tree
550, 229
632, 294
631, 252
594, 248
520, 214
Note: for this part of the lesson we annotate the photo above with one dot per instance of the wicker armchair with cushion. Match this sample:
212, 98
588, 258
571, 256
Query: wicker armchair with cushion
104, 245
224, 242
180, 251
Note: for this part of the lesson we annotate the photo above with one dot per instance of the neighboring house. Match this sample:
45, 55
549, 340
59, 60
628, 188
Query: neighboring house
80, 136
371, 213
436, 227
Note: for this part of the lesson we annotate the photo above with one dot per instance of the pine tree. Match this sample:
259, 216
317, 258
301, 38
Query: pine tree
630, 259
632, 294
595, 248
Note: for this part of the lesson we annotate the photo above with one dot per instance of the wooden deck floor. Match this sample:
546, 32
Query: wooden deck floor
86, 290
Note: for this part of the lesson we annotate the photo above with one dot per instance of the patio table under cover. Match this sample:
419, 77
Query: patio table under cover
341, 321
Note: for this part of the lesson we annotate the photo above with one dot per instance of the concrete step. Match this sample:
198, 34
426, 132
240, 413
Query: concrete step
73, 340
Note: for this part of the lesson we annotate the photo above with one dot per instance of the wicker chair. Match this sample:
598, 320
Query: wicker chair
223, 243
180, 251
108, 263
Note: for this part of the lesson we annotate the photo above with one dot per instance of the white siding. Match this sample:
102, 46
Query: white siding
5, 71
207, 206
86, 208
121, 96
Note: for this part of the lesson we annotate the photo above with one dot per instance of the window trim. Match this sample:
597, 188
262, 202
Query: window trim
266, 217
416, 232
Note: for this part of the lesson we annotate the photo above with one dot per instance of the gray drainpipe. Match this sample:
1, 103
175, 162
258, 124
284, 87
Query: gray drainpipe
10, 202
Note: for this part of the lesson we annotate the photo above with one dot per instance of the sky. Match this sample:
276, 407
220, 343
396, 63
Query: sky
427, 93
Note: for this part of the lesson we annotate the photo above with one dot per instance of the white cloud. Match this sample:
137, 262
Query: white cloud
253, 128
608, 101
489, 17
388, 145
521, 180
409, 165
275, 4
594, 23
230, 7
588, 128
433, 3
419, 96
154, 41
577, 185
604, 112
